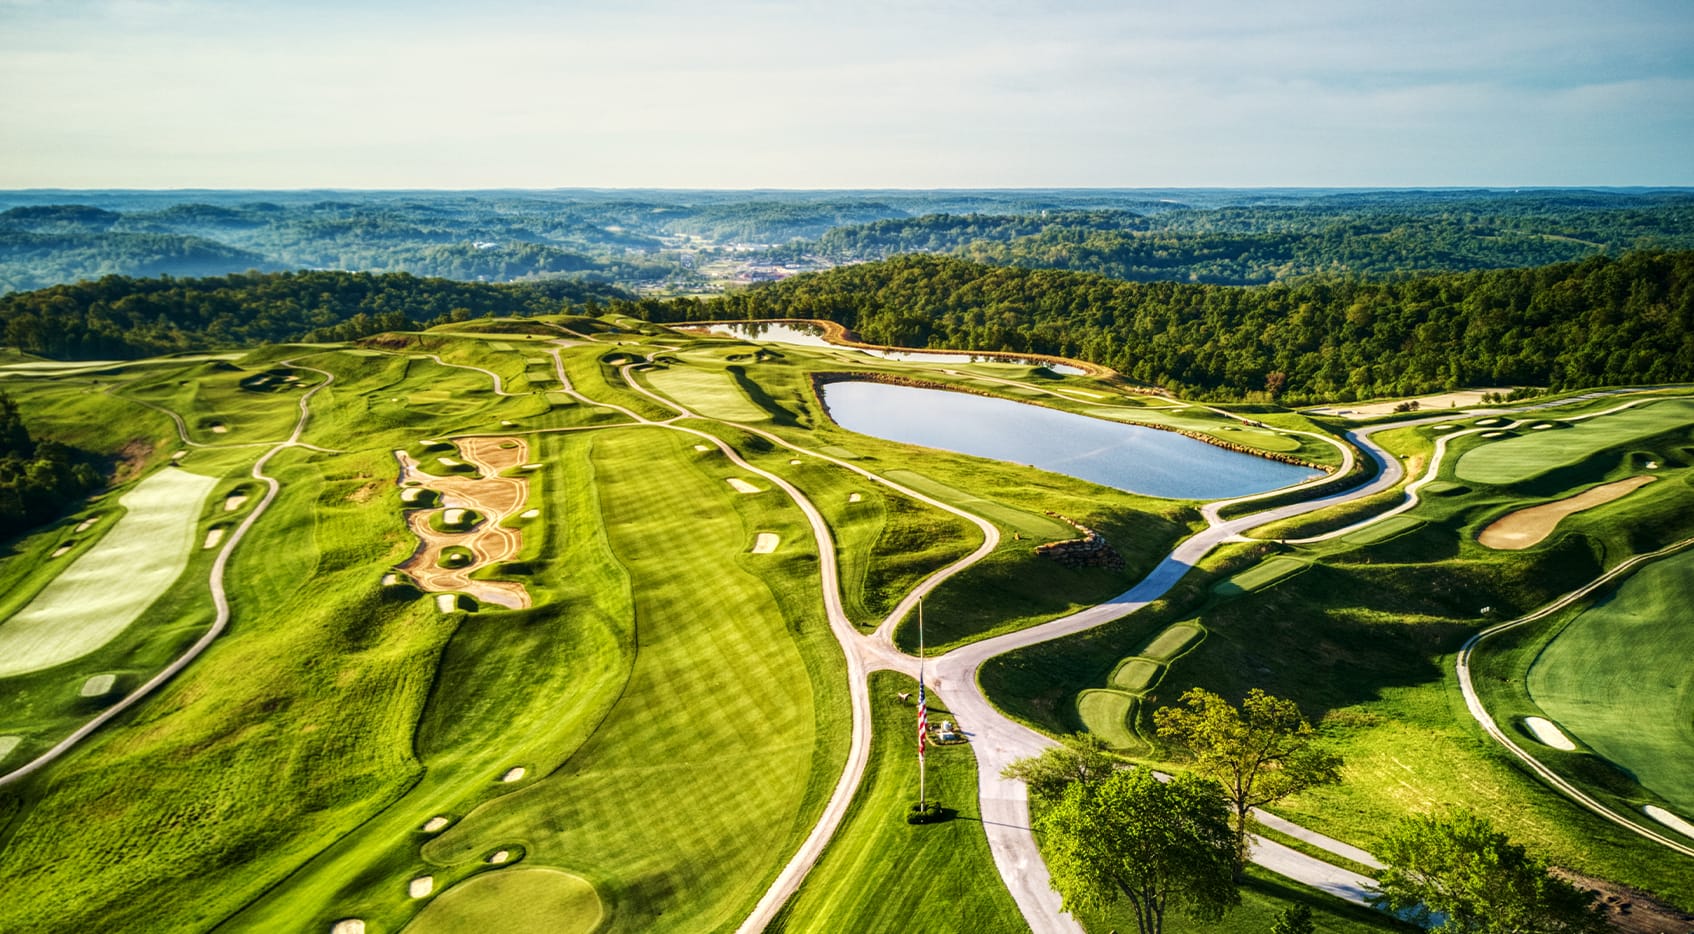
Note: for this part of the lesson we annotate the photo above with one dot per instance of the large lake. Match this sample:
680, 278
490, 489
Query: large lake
1128, 457
810, 335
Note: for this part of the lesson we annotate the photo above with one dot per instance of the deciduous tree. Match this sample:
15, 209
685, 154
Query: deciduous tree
1260, 753
1154, 844
1458, 867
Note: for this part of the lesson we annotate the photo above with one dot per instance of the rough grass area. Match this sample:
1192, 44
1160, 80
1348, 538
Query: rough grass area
109, 586
1520, 458
883, 874
1617, 677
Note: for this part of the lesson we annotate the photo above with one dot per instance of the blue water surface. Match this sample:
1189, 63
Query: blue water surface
1127, 457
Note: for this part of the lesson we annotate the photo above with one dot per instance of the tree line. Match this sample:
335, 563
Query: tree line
1601, 321
122, 317
37, 478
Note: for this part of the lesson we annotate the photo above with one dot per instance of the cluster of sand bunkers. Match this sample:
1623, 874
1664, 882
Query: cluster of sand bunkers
459, 519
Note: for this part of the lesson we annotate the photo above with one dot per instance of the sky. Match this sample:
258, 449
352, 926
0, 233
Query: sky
863, 94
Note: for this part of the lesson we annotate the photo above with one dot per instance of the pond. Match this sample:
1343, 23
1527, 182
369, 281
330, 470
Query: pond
1128, 457
810, 335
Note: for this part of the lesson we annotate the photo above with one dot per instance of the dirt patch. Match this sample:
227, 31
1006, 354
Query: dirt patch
1526, 527
364, 493
1631, 911
492, 496
132, 460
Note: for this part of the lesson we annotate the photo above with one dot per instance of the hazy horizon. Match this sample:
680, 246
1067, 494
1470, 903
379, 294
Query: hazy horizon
655, 94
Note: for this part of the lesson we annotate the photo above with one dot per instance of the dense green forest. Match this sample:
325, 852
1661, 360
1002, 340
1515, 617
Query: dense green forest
1601, 321
120, 317
37, 478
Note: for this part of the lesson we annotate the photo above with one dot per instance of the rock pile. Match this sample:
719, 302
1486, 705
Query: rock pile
1090, 551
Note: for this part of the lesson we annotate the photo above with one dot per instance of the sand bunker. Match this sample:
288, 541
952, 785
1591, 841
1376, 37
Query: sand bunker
742, 486
390, 579
1489, 422
220, 429
87, 524
854, 497
213, 536
446, 602
435, 824
1548, 733
348, 926
701, 447
450, 462
412, 494
513, 774
794, 463
1654, 811
421, 886
1495, 434
99, 685
766, 543
1444, 427
530, 467
492, 496
62, 550
9, 743
235, 502
529, 514
500, 856
1519, 530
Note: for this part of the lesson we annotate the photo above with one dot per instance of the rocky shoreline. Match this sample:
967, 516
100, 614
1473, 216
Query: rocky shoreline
1090, 551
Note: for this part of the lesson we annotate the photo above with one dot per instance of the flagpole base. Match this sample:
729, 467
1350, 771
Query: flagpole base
929, 812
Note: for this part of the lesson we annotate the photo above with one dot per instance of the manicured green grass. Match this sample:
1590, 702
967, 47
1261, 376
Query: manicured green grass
711, 393
1202, 421
1107, 714
1037, 527
1259, 576
1599, 680
521, 900
1382, 531
1135, 674
1520, 458
1172, 641
883, 874
109, 586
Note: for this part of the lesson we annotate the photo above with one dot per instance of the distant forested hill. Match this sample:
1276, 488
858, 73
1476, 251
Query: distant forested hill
1375, 236
1601, 321
123, 317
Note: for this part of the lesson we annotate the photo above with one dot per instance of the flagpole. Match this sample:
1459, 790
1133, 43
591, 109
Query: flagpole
922, 800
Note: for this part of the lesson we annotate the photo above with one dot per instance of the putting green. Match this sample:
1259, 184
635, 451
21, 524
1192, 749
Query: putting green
711, 393
1106, 714
1617, 678
112, 584
1259, 576
1172, 641
1516, 459
1135, 674
523, 900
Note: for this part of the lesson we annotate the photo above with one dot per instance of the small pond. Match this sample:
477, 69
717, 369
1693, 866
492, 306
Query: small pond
809, 335
1128, 457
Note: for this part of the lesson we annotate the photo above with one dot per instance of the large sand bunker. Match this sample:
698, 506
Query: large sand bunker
1669, 820
1519, 530
490, 495
766, 543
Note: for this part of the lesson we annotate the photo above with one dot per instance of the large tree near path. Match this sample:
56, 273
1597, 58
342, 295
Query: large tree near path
1152, 843
1260, 753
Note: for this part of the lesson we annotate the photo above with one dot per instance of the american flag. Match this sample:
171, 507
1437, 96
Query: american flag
923, 721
